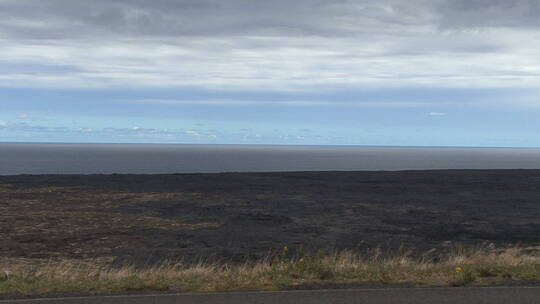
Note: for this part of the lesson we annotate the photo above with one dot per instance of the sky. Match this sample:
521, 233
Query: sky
303, 72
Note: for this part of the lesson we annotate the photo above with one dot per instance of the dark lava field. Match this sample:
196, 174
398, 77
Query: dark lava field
238, 216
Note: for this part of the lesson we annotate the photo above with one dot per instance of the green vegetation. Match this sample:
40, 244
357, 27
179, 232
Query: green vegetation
282, 271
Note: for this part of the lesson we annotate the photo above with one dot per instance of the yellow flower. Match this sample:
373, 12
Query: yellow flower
285, 248
301, 260
459, 269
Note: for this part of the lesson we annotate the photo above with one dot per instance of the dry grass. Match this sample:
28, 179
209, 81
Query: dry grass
459, 268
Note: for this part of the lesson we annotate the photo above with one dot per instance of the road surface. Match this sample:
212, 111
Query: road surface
491, 295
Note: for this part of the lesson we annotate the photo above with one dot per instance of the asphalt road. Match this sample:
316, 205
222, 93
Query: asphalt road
492, 295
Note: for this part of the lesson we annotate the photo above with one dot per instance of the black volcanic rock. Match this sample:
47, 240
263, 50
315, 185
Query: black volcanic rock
149, 218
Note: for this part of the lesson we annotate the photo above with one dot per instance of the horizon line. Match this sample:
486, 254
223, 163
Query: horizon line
270, 144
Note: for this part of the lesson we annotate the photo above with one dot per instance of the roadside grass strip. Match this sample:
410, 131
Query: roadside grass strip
278, 271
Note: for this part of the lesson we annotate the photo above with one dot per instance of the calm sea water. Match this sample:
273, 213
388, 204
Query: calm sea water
135, 158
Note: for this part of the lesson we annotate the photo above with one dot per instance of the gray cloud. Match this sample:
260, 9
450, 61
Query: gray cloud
75, 19
463, 14
61, 19
281, 44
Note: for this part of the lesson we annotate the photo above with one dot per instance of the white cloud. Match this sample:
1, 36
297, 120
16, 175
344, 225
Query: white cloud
437, 114
23, 116
113, 133
85, 130
295, 103
192, 133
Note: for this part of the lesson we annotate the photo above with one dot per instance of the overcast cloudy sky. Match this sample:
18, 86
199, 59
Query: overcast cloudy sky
386, 72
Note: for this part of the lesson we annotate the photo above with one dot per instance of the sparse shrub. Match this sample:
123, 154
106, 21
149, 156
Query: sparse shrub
486, 271
463, 277
6, 274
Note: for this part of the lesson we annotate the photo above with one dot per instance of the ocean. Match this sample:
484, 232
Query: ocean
33, 158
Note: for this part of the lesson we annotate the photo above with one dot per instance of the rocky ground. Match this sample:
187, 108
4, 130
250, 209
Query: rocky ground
233, 216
